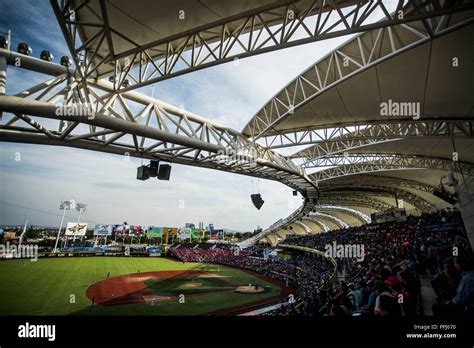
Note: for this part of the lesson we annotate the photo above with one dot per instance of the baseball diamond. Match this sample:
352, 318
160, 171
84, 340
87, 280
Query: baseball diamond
135, 286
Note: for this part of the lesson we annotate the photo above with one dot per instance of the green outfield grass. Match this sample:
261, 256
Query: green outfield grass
49, 286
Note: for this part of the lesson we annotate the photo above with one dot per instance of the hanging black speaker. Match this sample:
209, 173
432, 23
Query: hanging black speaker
143, 173
164, 172
154, 168
257, 200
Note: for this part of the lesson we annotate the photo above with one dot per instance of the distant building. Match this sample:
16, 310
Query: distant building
9, 236
189, 225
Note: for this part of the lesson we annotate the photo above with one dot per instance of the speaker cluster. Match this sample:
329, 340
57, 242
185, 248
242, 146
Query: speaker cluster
153, 170
257, 200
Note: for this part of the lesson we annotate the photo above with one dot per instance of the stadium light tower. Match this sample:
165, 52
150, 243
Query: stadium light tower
65, 205
23, 233
81, 208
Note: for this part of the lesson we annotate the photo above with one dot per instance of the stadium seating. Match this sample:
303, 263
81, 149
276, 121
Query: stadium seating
395, 255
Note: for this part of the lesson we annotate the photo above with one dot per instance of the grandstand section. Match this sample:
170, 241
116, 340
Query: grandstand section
375, 139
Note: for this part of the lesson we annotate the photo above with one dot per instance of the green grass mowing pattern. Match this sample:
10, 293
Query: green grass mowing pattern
45, 287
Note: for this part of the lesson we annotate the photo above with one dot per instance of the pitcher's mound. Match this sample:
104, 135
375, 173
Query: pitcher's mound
193, 284
250, 289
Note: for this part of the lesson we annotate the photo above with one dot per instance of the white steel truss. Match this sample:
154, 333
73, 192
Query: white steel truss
383, 191
339, 66
321, 224
364, 163
306, 227
182, 136
136, 125
364, 218
334, 140
352, 200
377, 180
341, 223
277, 25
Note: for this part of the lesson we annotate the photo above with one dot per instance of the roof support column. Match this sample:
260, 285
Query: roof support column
3, 75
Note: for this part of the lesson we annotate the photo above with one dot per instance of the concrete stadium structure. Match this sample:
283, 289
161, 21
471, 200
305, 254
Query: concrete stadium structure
356, 158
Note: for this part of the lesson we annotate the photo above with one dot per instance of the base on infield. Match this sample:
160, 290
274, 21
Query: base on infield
155, 299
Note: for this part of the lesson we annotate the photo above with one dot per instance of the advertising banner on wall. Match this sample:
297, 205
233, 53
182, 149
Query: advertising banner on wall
197, 233
103, 230
184, 233
217, 234
155, 232
136, 230
170, 231
75, 230
120, 230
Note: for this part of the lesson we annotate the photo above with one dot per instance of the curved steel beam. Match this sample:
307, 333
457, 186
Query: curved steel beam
341, 223
337, 140
322, 225
364, 163
378, 180
357, 201
363, 218
282, 233
383, 191
306, 227
272, 239
394, 158
278, 25
166, 117
343, 63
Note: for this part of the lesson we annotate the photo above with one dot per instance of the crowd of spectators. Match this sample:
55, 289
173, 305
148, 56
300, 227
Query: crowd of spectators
385, 283
232, 257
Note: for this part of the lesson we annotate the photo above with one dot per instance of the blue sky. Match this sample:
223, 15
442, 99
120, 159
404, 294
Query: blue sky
228, 94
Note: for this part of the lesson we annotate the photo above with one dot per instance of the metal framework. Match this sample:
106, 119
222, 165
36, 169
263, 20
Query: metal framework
344, 63
336, 140
94, 117
363, 218
137, 124
275, 26
351, 165
378, 180
341, 223
80, 108
383, 191
356, 201
322, 225
306, 227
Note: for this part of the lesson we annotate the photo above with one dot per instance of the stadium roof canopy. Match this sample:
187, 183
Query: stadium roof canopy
161, 27
376, 120
333, 114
